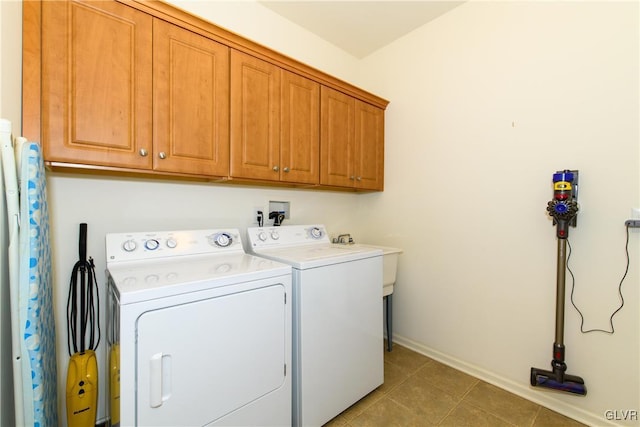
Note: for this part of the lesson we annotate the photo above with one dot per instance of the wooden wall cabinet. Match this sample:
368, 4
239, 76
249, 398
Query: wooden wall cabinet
352, 142
139, 86
274, 122
123, 89
190, 102
300, 129
255, 115
96, 84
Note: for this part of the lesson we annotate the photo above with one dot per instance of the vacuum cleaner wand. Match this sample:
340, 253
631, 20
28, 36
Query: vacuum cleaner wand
563, 209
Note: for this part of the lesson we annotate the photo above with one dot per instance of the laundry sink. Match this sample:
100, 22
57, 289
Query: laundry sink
389, 270
389, 266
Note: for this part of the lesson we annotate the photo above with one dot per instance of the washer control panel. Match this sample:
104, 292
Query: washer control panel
286, 235
158, 244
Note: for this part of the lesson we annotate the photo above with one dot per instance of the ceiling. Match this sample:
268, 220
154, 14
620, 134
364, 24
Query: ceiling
360, 27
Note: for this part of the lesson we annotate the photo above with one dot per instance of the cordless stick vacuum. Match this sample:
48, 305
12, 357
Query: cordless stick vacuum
563, 209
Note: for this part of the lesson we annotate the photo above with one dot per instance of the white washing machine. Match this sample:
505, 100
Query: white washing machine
337, 307
199, 331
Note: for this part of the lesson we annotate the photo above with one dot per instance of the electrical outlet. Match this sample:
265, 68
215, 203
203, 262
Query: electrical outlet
634, 222
259, 214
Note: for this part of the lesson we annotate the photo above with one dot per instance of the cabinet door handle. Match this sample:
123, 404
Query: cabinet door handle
359, 178
143, 152
352, 177
286, 169
162, 155
276, 168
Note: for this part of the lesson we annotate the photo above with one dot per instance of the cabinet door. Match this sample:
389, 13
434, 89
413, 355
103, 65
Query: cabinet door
369, 146
336, 138
190, 102
96, 84
255, 118
300, 129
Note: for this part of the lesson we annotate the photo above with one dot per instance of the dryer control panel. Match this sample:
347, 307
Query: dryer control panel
159, 244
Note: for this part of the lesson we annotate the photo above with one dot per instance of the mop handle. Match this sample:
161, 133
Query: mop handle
82, 243
82, 249
560, 288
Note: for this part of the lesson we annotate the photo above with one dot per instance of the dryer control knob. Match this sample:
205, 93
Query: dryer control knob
151, 244
171, 243
223, 240
275, 235
262, 236
129, 245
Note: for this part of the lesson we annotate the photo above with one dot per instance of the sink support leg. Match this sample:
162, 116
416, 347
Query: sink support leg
388, 304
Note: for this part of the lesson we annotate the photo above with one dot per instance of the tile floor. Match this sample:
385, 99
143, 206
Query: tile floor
419, 391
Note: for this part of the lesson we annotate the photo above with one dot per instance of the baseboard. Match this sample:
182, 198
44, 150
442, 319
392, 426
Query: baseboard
518, 389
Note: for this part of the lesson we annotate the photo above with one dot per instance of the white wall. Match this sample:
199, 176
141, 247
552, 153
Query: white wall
257, 23
486, 103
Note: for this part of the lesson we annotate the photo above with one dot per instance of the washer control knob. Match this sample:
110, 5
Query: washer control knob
275, 235
129, 245
223, 240
151, 244
171, 243
262, 236
315, 233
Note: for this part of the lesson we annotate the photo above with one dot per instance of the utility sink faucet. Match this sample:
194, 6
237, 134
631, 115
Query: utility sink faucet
344, 239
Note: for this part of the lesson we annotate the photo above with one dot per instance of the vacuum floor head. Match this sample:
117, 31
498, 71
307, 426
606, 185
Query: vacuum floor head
548, 379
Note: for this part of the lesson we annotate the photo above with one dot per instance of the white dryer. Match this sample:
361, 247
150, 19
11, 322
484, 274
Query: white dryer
199, 331
337, 307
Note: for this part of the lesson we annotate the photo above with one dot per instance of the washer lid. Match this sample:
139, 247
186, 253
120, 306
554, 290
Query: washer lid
312, 256
137, 281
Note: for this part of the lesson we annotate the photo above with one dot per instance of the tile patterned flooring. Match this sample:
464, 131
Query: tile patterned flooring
419, 391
